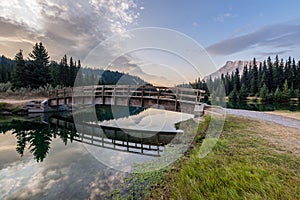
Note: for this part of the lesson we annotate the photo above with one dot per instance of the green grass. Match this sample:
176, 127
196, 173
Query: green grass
242, 165
3, 105
10, 107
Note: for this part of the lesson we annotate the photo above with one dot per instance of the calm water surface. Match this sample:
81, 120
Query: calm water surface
46, 157
247, 105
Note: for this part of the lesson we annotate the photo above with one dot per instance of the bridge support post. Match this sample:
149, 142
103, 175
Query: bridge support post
114, 95
176, 100
65, 98
158, 94
199, 110
128, 96
93, 96
142, 98
103, 98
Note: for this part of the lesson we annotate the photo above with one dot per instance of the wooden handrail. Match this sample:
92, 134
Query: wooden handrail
131, 91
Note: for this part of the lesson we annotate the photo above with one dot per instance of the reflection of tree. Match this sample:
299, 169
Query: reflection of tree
37, 136
39, 140
21, 141
66, 135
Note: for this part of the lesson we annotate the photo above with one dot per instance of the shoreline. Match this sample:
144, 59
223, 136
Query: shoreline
15, 106
11, 104
21, 101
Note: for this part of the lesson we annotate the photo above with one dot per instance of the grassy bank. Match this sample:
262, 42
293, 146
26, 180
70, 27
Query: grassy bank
243, 165
10, 107
7, 91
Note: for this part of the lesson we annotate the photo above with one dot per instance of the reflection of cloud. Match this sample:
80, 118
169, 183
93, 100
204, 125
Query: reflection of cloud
26, 178
275, 36
100, 187
150, 119
71, 27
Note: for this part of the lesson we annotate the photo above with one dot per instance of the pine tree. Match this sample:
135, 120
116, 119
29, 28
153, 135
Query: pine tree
269, 75
297, 85
277, 74
263, 93
286, 94
233, 96
6, 69
277, 95
227, 84
281, 73
245, 78
254, 79
236, 80
39, 66
243, 94
73, 72
54, 73
20, 73
294, 73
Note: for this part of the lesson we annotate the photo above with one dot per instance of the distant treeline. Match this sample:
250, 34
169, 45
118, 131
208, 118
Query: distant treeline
39, 71
271, 81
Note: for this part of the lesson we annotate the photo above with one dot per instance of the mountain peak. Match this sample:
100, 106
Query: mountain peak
229, 67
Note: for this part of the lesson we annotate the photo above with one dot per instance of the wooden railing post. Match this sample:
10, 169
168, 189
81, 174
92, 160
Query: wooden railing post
65, 98
114, 95
142, 98
158, 94
57, 98
93, 95
176, 99
82, 94
103, 98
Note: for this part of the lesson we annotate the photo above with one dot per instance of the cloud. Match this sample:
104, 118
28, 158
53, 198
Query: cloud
71, 27
274, 36
195, 24
134, 66
223, 17
273, 53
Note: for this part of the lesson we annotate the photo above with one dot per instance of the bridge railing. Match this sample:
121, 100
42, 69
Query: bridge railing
131, 91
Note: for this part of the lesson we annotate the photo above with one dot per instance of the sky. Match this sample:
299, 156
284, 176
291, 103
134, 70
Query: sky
224, 30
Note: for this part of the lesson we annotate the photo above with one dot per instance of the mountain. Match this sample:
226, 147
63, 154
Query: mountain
230, 67
107, 77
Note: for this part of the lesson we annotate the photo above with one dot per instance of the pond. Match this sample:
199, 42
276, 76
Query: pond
50, 156
257, 106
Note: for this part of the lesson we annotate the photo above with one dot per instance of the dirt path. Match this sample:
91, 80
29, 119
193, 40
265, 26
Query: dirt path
284, 138
289, 114
261, 116
282, 131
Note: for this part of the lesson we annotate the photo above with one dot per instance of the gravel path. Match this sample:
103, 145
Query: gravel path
288, 122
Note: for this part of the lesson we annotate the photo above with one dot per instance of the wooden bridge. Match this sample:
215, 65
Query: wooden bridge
177, 99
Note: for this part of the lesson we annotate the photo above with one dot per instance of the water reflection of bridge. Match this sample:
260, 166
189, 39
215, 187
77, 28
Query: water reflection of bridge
176, 99
146, 142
